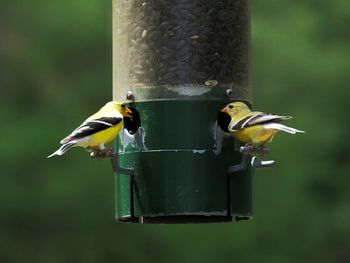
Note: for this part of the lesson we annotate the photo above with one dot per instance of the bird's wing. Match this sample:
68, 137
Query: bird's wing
255, 118
92, 126
281, 127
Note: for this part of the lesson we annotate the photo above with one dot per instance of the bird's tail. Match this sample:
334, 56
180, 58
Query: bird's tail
65, 147
281, 127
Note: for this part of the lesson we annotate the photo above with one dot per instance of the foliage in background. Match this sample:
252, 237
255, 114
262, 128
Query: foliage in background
55, 68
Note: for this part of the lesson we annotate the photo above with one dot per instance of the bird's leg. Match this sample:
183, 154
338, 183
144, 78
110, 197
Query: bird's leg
263, 149
102, 153
107, 154
247, 148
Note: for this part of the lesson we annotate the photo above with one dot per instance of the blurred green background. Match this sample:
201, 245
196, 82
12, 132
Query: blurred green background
55, 68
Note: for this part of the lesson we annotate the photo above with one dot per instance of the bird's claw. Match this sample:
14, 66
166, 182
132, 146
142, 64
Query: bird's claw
264, 150
250, 150
107, 154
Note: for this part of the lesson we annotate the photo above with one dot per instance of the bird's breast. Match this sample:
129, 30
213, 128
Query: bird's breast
105, 136
255, 134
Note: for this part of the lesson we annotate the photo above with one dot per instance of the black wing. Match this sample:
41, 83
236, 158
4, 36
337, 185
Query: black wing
92, 127
254, 119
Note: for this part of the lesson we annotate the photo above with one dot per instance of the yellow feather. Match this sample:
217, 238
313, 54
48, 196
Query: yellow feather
254, 126
102, 137
255, 134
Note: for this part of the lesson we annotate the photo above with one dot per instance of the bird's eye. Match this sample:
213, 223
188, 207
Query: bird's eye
230, 106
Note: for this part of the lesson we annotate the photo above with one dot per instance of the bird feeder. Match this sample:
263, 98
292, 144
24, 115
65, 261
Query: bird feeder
177, 63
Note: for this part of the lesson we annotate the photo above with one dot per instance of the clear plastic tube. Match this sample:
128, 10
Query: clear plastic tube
187, 43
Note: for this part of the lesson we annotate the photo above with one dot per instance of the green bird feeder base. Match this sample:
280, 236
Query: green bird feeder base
171, 173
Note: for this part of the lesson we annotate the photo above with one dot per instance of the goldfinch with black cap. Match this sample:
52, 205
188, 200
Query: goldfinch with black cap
98, 130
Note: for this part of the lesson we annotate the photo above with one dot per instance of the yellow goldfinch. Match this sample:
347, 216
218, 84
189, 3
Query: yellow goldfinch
98, 130
254, 127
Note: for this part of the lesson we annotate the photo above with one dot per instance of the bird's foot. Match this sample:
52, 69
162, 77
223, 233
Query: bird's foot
250, 150
264, 150
106, 154
247, 149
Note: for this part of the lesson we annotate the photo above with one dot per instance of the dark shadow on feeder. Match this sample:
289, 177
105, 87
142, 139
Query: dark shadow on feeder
223, 121
132, 124
134, 128
239, 218
221, 130
135, 198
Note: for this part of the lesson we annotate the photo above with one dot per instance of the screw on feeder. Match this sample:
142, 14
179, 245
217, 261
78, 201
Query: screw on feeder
130, 96
229, 92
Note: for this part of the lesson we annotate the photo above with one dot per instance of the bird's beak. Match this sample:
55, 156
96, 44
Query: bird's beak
224, 110
127, 112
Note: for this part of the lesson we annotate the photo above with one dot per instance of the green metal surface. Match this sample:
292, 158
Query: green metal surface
123, 195
177, 124
241, 194
180, 159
